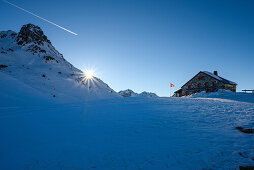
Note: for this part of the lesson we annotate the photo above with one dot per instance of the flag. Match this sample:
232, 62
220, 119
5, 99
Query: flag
172, 85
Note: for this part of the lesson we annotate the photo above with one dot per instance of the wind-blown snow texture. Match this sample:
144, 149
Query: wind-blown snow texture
32, 60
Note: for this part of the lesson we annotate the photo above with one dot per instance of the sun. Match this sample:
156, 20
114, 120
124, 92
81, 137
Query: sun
89, 74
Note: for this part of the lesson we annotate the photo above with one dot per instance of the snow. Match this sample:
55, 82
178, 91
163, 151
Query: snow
127, 133
236, 96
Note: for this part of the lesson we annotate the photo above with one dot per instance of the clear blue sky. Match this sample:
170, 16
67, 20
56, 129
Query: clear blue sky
144, 44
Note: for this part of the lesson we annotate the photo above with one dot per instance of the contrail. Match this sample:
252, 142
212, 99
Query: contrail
39, 17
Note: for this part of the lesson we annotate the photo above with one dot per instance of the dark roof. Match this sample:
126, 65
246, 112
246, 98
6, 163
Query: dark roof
214, 76
219, 78
178, 91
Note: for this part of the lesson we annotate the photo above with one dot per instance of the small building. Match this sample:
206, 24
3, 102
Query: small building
205, 81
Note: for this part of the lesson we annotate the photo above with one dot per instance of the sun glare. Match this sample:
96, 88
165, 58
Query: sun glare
89, 74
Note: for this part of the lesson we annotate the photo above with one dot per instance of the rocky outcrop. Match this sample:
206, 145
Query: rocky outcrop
31, 33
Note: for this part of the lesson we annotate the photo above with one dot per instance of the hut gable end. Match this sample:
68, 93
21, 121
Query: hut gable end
199, 81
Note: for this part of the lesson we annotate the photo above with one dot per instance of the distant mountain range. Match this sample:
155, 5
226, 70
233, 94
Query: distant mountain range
130, 93
28, 57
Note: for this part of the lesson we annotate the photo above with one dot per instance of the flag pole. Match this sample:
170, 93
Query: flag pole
170, 91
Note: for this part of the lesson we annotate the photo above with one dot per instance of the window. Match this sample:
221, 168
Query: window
206, 84
199, 85
201, 78
189, 86
214, 83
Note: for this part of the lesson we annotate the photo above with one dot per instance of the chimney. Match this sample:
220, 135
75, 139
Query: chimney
215, 73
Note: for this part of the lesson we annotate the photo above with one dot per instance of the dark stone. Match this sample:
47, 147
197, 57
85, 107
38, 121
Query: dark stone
13, 34
3, 66
59, 72
246, 167
43, 51
4, 52
4, 35
10, 50
31, 33
44, 75
48, 58
33, 48
248, 131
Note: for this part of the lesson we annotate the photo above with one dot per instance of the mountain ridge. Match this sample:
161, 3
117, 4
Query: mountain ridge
131, 93
30, 57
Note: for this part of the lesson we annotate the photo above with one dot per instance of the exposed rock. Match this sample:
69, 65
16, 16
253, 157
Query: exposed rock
31, 33
35, 49
246, 167
4, 52
3, 36
3, 66
13, 34
245, 130
49, 58
10, 50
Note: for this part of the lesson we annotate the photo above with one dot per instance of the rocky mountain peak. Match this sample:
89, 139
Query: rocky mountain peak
130, 93
31, 33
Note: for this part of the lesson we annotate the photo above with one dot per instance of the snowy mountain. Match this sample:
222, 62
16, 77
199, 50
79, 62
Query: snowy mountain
28, 57
130, 93
147, 94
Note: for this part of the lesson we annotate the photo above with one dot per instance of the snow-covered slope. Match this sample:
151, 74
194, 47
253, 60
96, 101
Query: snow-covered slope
30, 58
130, 93
226, 94
128, 133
